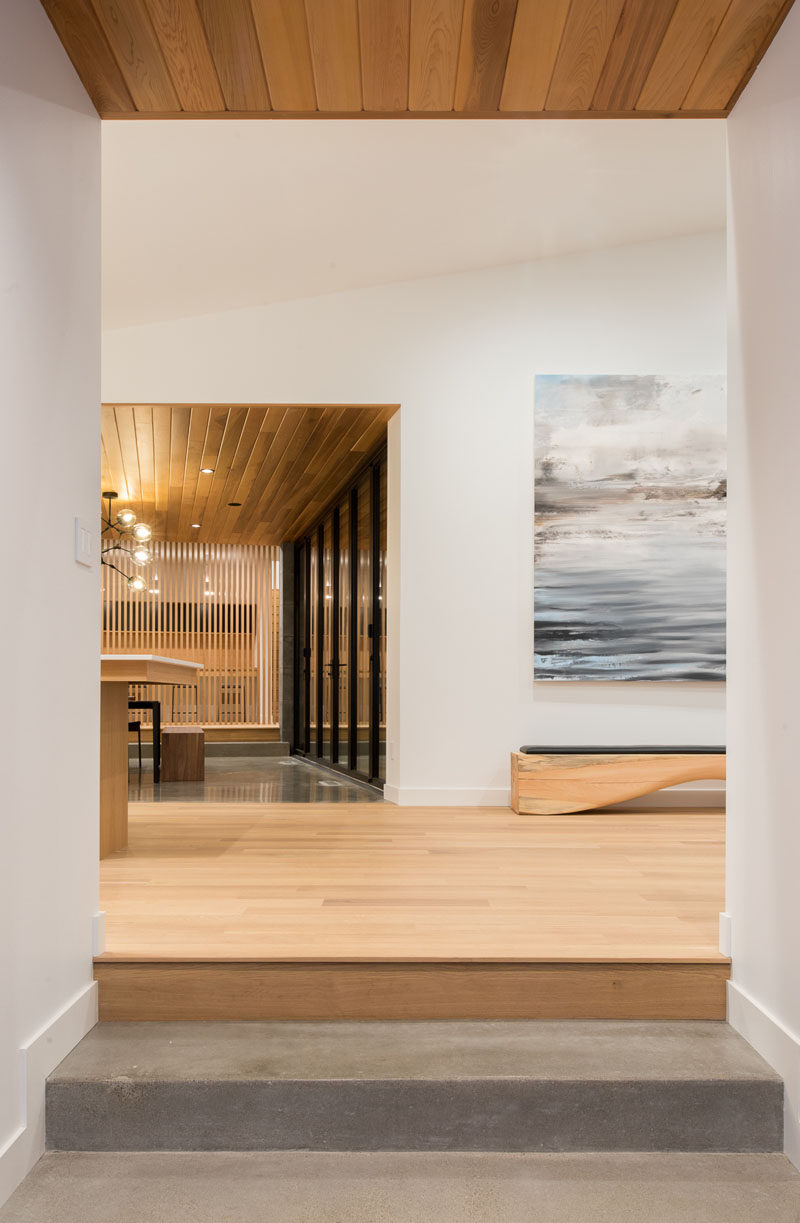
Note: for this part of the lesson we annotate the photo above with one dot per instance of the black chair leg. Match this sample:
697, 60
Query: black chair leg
156, 742
139, 738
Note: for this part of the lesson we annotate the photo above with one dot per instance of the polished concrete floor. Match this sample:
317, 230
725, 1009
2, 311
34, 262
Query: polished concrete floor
250, 779
298, 1187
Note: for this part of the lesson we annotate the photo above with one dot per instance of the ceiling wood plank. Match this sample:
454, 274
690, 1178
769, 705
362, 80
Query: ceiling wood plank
689, 35
435, 39
638, 36
762, 50
231, 35
133, 40
538, 27
106, 475
253, 456
335, 54
283, 426
185, 48
113, 449
326, 437
162, 429
235, 423
198, 427
283, 36
385, 30
741, 34
143, 426
214, 435
244, 450
180, 418
304, 421
327, 483
83, 39
126, 431
587, 37
483, 53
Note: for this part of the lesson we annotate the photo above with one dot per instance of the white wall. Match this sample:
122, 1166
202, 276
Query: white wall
764, 572
460, 354
49, 612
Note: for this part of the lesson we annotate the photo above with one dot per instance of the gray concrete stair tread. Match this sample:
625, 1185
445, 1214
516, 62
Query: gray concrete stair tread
569, 1051
294, 1187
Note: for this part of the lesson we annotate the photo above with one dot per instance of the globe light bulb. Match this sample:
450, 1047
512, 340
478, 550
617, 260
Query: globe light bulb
142, 531
137, 583
142, 554
126, 518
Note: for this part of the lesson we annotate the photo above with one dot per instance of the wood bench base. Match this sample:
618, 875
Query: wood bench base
556, 784
183, 754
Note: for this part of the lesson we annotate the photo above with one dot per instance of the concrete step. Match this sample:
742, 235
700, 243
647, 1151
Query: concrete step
299, 1186
395, 1086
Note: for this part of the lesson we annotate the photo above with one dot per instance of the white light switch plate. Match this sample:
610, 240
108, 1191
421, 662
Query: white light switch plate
85, 542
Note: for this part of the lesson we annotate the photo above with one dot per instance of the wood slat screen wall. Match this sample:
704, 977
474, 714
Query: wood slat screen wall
210, 603
207, 58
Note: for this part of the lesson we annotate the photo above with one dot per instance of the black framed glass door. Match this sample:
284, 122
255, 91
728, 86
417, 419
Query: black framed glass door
340, 631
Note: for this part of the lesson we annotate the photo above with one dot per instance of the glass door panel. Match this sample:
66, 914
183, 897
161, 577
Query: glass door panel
313, 644
301, 628
380, 620
327, 636
343, 592
364, 621
341, 631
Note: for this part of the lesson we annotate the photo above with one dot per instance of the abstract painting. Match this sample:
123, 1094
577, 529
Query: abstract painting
629, 555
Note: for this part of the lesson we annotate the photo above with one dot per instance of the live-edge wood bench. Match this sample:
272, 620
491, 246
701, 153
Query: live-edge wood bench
558, 780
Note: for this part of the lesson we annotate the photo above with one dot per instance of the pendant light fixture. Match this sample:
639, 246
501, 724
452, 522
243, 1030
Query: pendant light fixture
127, 539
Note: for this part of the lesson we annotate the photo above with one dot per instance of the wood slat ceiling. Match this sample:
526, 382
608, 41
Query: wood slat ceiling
285, 464
424, 58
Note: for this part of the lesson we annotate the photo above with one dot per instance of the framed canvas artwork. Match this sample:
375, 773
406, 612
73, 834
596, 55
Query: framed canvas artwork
629, 535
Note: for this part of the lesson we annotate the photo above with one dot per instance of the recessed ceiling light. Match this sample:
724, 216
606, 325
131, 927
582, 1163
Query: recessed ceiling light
195, 526
207, 471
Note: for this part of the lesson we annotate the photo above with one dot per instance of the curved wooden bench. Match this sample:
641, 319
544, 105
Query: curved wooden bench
557, 780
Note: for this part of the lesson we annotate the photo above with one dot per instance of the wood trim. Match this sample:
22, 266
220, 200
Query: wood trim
411, 990
113, 768
674, 113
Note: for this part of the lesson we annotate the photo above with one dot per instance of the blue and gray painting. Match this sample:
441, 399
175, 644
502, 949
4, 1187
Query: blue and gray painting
629, 572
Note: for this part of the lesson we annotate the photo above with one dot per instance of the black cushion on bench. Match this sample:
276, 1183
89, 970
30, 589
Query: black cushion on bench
530, 750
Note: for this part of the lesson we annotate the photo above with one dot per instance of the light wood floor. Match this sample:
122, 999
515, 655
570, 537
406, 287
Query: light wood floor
377, 882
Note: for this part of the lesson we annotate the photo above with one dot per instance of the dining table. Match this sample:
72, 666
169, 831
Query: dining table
117, 672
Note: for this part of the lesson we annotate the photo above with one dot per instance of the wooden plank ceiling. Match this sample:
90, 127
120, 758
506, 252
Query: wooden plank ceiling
558, 58
283, 464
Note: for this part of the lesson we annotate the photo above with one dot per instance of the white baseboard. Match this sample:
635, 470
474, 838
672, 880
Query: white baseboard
780, 1048
37, 1059
692, 794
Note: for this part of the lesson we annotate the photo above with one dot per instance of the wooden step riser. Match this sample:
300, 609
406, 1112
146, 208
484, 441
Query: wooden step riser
319, 991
